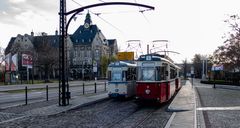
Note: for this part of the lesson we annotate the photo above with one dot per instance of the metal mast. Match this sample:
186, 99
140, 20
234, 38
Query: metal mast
64, 94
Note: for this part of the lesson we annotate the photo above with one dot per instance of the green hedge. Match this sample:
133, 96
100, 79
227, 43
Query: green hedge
217, 82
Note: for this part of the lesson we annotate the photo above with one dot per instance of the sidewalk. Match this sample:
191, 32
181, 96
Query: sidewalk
183, 108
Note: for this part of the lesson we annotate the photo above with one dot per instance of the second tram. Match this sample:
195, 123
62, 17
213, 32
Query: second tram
157, 79
122, 79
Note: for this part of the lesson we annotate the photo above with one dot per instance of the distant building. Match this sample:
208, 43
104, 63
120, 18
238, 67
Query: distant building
86, 46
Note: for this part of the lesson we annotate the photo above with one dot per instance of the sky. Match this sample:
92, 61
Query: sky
189, 26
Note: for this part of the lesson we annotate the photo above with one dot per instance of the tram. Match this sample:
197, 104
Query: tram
157, 78
122, 79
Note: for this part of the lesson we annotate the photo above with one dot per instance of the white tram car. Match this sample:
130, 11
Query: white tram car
122, 79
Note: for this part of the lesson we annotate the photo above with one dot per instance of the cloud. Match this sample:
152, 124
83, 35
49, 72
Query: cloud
15, 10
16, 1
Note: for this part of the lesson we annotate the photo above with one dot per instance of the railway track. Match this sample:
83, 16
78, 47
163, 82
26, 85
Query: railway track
108, 113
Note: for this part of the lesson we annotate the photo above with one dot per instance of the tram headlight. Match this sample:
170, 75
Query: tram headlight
147, 91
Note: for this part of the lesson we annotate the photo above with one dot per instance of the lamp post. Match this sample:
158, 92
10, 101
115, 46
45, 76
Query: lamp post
63, 27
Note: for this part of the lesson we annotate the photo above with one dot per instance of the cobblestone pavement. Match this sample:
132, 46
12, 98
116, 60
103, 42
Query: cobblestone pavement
219, 107
106, 114
18, 112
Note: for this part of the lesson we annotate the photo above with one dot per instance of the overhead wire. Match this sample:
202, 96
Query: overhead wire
97, 14
142, 11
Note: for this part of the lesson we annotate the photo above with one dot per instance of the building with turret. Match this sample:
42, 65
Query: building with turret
85, 48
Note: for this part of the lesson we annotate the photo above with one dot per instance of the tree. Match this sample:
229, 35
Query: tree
197, 64
2, 56
46, 55
104, 64
105, 61
185, 68
229, 53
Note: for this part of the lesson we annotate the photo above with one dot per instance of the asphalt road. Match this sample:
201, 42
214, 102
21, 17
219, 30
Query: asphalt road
36, 95
219, 107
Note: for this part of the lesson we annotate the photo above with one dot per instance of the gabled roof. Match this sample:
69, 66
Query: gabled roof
52, 39
84, 36
10, 44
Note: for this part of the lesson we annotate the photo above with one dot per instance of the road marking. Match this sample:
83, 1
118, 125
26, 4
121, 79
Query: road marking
218, 108
170, 120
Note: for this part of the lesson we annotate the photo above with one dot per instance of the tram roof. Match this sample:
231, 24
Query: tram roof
157, 57
122, 64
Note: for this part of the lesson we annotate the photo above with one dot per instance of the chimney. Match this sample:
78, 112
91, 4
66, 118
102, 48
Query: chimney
32, 33
56, 32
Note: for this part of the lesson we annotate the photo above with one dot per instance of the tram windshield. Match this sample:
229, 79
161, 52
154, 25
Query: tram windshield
148, 74
116, 75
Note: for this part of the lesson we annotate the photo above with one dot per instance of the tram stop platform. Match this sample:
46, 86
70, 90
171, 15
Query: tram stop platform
183, 108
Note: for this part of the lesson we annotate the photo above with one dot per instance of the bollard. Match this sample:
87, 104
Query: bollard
95, 86
47, 92
105, 86
26, 98
83, 89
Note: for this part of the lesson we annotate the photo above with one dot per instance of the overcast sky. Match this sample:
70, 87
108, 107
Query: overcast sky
190, 26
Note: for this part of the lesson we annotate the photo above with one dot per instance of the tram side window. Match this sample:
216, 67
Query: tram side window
158, 73
109, 75
163, 73
131, 74
134, 73
172, 73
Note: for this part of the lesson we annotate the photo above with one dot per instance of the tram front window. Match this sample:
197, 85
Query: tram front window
148, 74
116, 76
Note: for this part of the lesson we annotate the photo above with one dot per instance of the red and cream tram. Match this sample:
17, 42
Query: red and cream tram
157, 78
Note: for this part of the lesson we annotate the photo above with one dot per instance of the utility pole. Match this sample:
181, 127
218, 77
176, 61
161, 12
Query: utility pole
63, 87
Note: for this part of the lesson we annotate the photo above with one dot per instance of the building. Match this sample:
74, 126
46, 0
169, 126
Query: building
85, 48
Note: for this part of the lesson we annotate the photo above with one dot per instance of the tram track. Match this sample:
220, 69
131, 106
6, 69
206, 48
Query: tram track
110, 113
138, 117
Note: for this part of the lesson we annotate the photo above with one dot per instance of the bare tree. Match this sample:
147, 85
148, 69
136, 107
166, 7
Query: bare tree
46, 55
229, 53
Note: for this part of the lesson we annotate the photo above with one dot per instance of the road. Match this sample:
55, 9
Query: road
219, 107
36, 95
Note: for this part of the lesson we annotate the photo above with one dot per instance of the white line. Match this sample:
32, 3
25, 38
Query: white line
195, 106
218, 108
170, 120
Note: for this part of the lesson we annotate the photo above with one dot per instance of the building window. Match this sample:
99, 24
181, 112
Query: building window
76, 40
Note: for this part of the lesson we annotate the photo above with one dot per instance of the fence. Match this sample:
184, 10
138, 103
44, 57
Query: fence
48, 93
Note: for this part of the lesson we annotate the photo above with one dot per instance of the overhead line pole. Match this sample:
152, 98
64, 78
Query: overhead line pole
63, 27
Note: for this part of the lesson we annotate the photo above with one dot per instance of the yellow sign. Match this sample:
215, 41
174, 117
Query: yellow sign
125, 55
